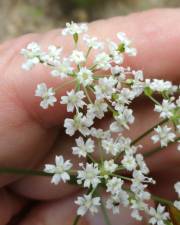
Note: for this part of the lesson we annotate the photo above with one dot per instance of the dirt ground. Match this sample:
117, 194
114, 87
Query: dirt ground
22, 16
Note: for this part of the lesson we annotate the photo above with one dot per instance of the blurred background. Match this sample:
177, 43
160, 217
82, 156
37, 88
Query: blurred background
18, 17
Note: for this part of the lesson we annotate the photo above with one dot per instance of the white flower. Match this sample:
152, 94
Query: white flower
80, 123
114, 185
62, 69
115, 200
142, 164
111, 147
83, 147
77, 57
102, 61
52, 56
125, 117
125, 145
87, 202
74, 28
123, 197
137, 205
138, 185
47, 95
135, 214
99, 133
117, 57
73, 100
159, 217
32, 53
177, 188
129, 162
138, 75
118, 70
92, 42
97, 109
159, 85
126, 44
109, 166
60, 170
85, 76
89, 175
124, 97
105, 88
164, 135
113, 203
177, 204
137, 83
166, 109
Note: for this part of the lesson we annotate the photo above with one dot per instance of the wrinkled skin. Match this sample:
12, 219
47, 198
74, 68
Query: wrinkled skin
30, 136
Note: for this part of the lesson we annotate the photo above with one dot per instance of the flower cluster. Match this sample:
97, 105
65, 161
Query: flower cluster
104, 86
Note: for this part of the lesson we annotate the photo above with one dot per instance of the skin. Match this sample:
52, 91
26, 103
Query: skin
31, 137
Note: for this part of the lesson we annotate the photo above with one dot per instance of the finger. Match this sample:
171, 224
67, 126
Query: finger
10, 204
20, 88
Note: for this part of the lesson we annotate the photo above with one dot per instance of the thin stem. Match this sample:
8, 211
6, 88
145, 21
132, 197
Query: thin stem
152, 152
111, 108
88, 51
28, 172
154, 197
91, 158
87, 95
66, 83
120, 168
161, 200
104, 211
122, 177
100, 150
76, 220
159, 148
148, 132
153, 99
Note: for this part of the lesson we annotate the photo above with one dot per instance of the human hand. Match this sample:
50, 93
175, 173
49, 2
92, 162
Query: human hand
31, 137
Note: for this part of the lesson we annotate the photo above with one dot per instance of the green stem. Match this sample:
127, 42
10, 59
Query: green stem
154, 197
30, 172
87, 95
104, 211
91, 158
148, 132
122, 177
76, 220
65, 83
111, 109
153, 99
88, 51
100, 151
159, 148
152, 152
161, 200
